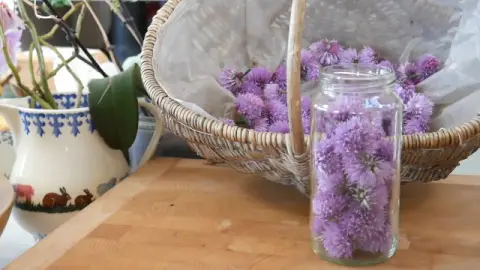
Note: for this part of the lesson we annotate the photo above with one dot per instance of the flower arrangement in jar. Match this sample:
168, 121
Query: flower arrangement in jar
365, 103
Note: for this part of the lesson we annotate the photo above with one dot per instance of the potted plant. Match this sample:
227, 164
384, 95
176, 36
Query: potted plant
70, 147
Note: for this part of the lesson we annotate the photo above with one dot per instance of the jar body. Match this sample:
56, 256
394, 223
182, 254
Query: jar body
355, 150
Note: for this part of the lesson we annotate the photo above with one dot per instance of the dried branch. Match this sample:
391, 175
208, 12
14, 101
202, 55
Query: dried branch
65, 17
73, 39
108, 45
128, 22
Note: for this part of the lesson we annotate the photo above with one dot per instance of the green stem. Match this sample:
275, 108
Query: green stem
78, 28
41, 61
65, 17
65, 64
14, 70
60, 66
30, 66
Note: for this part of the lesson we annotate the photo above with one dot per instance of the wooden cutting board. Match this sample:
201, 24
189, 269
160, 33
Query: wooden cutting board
183, 215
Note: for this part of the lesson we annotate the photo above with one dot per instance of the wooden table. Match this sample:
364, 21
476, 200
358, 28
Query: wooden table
6, 201
180, 214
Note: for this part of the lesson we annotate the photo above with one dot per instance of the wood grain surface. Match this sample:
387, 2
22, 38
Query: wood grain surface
180, 214
6, 201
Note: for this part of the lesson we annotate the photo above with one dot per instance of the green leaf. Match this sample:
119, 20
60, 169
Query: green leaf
114, 107
137, 80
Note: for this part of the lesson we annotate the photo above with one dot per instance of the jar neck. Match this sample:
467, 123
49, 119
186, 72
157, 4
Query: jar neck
356, 79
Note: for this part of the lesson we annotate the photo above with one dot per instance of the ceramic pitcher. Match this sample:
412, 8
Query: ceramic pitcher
62, 164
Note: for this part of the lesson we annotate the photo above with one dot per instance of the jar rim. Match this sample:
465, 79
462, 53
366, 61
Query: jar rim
356, 78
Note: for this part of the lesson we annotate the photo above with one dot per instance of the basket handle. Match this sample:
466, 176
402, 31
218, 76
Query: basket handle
297, 21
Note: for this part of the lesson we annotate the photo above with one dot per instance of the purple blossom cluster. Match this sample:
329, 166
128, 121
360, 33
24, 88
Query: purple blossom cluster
12, 28
261, 94
261, 97
418, 108
354, 170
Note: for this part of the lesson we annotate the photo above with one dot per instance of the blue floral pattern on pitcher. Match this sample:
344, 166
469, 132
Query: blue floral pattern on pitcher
60, 123
66, 122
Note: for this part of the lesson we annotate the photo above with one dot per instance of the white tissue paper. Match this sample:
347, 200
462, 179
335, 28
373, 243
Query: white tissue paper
204, 36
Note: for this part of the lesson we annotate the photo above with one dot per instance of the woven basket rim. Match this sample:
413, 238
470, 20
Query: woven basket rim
433, 140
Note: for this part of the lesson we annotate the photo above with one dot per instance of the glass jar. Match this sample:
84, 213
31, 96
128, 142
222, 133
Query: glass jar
355, 150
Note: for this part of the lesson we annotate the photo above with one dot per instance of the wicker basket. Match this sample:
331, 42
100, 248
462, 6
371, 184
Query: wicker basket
283, 158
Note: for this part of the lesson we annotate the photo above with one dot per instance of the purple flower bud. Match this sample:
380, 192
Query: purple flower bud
325, 158
230, 79
251, 106
349, 56
310, 68
280, 77
419, 106
271, 91
259, 75
368, 55
305, 106
414, 126
326, 51
306, 124
405, 93
385, 150
387, 64
428, 65
260, 124
345, 107
336, 242
418, 112
356, 135
9, 19
277, 110
12, 27
251, 87
409, 72
280, 127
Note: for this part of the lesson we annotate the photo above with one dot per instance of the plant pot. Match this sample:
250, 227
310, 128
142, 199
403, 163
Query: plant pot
90, 36
62, 164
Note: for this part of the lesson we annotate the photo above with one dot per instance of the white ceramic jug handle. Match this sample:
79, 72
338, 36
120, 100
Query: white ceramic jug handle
157, 134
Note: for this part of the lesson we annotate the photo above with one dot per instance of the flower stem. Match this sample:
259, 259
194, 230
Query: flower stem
81, 16
41, 61
31, 69
60, 66
73, 38
104, 35
14, 71
65, 17
65, 64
